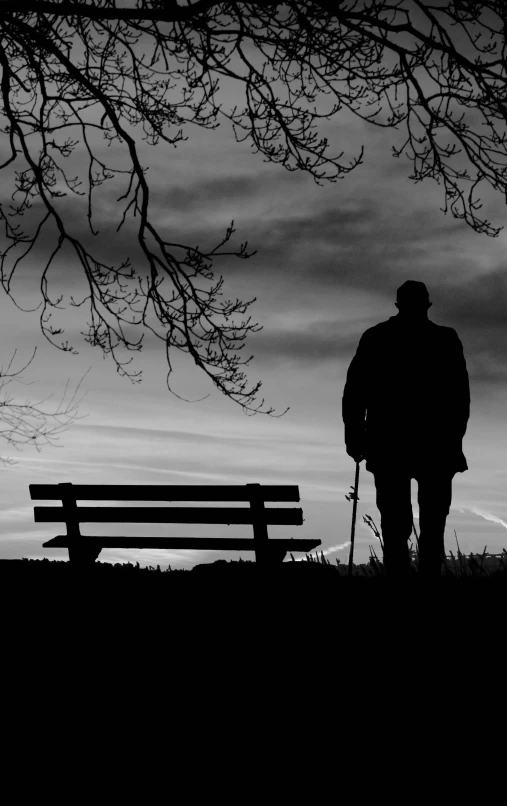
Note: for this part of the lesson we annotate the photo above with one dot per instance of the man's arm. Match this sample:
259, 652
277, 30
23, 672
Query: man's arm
461, 386
354, 396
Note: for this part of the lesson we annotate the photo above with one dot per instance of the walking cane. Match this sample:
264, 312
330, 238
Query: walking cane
354, 497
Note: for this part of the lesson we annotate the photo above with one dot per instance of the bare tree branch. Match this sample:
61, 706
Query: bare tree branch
289, 58
27, 424
160, 11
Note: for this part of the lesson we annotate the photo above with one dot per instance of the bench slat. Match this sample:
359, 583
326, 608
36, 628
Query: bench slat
165, 492
231, 515
228, 543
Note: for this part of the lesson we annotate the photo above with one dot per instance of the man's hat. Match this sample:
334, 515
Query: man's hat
412, 291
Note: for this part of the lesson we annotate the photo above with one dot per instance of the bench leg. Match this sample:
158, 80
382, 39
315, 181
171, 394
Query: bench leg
83, 555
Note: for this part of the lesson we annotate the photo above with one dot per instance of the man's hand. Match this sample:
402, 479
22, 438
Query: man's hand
355, 451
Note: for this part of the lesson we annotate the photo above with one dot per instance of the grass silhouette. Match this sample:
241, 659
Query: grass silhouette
462, 566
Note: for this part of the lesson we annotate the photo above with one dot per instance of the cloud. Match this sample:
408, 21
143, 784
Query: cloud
315, 264
333, 255
488, 516
311, 345
225, 191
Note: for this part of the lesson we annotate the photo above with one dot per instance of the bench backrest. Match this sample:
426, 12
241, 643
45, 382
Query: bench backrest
256, 514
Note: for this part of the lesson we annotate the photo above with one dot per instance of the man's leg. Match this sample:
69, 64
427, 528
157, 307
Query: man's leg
395, 507
434, 497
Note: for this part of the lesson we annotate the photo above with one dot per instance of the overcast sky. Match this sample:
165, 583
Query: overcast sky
329, 260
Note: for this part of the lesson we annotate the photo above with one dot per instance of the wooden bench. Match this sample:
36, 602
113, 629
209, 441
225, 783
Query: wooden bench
85, 549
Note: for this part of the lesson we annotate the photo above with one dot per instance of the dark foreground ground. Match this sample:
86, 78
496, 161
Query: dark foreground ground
243, 593
229, 649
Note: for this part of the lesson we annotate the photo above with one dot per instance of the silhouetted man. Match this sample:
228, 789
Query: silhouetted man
409, 378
